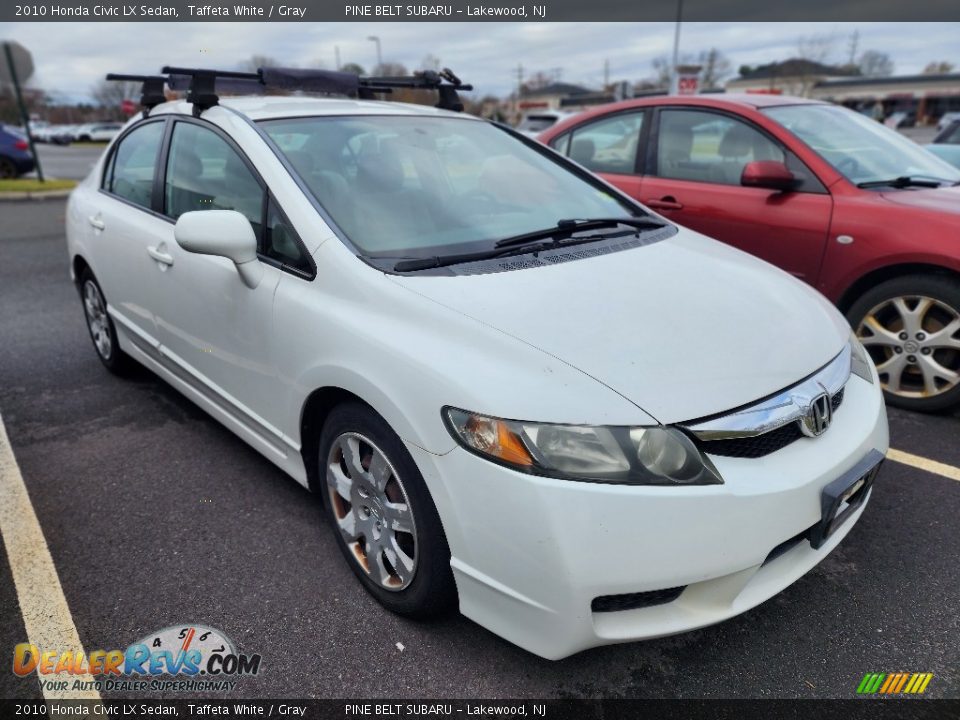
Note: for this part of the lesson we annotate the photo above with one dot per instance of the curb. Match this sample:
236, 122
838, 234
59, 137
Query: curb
34, 195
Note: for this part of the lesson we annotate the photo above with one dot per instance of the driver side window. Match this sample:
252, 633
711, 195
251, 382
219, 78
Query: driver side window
713, 148
205, 173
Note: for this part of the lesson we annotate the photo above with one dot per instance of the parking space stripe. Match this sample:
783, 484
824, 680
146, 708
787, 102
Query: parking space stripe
46, 615
922, 463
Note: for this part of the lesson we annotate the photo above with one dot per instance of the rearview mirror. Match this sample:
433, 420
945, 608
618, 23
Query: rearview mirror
768, 174
224, 233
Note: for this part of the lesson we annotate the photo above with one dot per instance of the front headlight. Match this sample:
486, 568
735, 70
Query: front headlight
860, 363
631, 455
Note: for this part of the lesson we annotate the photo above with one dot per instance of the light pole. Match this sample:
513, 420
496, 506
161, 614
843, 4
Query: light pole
374, 38
674, 77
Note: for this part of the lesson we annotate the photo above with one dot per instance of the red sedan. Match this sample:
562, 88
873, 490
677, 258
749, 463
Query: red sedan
866, 216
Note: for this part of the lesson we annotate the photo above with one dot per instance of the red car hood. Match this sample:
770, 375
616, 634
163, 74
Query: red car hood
945, 199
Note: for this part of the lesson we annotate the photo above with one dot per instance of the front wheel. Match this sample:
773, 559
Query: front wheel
911, 328
100, 325
384, 519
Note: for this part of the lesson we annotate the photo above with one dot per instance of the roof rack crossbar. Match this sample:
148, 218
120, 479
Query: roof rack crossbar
151, 92
202, 85
202, 92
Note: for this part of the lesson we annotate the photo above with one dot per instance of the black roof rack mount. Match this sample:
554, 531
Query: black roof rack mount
151, 93
202, 88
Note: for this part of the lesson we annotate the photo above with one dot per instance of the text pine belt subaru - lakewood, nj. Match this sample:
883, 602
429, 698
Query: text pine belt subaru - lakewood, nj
516, 389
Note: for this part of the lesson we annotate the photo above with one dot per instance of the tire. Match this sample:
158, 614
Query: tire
8, 169
417, 580
100, 325
911, 328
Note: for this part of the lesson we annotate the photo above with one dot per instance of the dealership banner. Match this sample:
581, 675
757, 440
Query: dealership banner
379, 709
479, 11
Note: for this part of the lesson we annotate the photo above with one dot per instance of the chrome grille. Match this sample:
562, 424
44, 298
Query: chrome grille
774, 423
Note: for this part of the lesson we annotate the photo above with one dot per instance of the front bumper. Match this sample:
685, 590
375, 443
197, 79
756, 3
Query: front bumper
530, 554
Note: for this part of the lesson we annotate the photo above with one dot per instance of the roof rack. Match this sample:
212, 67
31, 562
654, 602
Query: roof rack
202, 85
151, 93
202, 88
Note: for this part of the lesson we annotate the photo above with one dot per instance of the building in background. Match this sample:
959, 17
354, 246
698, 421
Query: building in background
924, 97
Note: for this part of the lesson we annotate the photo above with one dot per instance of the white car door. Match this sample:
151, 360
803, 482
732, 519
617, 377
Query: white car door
215, 331
125, 235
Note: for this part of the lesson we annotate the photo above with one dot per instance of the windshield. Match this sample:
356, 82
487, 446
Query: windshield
427, 186
861, 149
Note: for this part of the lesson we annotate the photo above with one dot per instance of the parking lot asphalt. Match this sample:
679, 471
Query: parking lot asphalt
155, 515
68, 162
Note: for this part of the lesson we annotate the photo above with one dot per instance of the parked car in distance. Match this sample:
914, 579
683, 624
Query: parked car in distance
901, 119
53, 134
513, 387
15, 157
947, 119
97, 132
946, 145
534, 123
860, 212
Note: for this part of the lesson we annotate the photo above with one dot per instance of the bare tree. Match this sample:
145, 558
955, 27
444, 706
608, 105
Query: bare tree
812, 50
938, 67
352, 67
662, 71
875, 63
715, 68
109, 94
256, 62
816, 48
390, 69
430, 62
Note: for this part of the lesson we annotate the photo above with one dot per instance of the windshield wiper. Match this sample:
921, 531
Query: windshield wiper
519, 249
566, 228
903, 182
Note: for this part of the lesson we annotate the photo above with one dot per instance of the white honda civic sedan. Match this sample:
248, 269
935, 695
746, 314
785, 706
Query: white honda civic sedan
516, 390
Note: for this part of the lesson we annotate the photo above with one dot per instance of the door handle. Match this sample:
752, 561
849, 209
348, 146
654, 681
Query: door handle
159, 255
665, 203
96, 222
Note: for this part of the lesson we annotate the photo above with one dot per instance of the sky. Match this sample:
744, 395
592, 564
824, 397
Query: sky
71, 57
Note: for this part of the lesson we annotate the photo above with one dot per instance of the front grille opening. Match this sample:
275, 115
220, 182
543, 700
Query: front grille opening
761, 445
632, 601
787, 545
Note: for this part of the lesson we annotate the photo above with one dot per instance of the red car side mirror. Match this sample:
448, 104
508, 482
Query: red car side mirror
768, 174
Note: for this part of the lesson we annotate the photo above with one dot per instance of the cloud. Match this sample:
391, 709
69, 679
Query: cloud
71, 57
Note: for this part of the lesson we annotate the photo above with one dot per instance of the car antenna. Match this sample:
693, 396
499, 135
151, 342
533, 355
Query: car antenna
151, 92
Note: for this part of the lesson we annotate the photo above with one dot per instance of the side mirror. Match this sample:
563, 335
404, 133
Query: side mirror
224, 233
768, 174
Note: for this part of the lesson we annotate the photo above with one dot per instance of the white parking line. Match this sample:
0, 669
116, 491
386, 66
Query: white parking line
922, 463
46, 615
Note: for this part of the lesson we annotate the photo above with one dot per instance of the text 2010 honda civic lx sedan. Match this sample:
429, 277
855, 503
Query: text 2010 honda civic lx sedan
514, 388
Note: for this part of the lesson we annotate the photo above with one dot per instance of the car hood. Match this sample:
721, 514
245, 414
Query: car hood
684, 328
943, 199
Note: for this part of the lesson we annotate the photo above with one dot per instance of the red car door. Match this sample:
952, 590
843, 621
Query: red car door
694, 164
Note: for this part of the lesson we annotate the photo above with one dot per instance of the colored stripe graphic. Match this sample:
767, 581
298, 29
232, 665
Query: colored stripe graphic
893, 683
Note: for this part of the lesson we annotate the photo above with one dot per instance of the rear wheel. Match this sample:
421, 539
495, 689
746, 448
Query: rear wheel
100, 325
911, 328
384, 519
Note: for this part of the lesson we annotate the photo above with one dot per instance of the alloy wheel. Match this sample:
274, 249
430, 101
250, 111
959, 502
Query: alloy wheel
914, 341
372, 511
95, 309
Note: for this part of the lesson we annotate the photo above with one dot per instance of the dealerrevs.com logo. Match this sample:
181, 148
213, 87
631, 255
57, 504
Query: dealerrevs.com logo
199, 658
